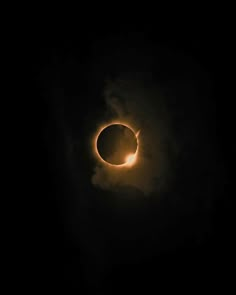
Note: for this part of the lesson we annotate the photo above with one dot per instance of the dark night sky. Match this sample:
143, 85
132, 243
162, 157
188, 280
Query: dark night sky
93, 239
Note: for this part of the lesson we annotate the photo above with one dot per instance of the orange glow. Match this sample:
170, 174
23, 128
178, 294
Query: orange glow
130, 159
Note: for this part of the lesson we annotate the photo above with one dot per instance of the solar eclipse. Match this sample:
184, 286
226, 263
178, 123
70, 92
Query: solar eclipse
116, 144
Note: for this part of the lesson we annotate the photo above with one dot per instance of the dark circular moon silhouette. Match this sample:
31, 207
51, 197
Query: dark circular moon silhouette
115, 143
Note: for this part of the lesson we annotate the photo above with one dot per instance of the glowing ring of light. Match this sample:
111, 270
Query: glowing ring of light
134, 156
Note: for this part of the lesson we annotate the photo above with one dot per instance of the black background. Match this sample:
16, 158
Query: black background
90, 240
